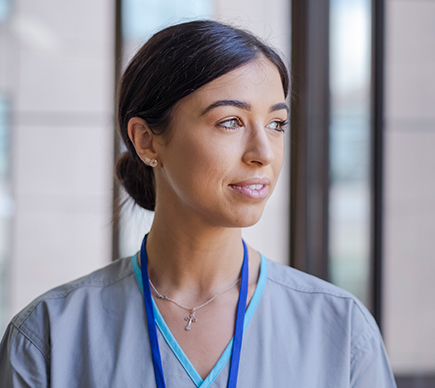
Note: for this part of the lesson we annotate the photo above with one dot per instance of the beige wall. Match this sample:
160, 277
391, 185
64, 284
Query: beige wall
410, 185
59, 77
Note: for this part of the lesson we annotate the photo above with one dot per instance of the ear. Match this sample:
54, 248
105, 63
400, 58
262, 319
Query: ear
142, 138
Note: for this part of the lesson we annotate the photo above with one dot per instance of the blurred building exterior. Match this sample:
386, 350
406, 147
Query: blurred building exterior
57, 87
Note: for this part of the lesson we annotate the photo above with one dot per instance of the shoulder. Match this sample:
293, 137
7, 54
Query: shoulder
298, 281
331, 327
292, 280
60, 323
94, 282
324, 303
74, 304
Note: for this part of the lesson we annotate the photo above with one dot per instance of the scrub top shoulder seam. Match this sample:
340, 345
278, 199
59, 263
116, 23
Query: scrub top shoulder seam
27, 337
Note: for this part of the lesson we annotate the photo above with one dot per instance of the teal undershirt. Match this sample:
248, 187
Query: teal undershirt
173, 344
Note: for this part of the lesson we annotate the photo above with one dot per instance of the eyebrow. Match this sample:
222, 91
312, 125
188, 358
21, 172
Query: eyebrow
236, 103
279, 106
242, 105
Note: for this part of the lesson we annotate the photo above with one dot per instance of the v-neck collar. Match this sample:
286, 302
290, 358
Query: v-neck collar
176, 348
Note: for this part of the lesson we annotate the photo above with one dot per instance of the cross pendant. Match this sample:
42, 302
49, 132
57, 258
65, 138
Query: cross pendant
190, 319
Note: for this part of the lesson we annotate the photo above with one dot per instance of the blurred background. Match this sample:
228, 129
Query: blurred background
355, 203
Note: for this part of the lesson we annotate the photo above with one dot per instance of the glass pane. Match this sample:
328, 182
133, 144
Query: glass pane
141, 19
5, 9
349, 209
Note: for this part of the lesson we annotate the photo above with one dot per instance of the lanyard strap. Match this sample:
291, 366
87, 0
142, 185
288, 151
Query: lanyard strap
151, 323
152, 330
240, 320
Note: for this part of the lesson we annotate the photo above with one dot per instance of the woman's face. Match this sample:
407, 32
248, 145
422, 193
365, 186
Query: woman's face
224, 150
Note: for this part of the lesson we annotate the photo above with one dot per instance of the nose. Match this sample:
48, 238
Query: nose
259, 150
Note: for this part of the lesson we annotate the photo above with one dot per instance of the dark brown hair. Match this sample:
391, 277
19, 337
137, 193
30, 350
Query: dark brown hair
174, 63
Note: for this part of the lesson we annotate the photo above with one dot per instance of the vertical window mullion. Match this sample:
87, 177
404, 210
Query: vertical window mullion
310, 137
377, 145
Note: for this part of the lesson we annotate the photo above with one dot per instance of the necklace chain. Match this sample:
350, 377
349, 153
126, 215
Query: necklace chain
192, 309
191, 318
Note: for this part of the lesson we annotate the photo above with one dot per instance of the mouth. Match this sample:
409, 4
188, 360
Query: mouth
255, 189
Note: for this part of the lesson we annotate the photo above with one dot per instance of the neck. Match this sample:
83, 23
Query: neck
193, 260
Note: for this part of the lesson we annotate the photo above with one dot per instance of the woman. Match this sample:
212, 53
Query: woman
202, 112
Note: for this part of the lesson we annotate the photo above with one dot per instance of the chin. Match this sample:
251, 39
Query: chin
246, 219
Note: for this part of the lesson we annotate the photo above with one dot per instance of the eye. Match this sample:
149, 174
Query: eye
231, 124
278, 125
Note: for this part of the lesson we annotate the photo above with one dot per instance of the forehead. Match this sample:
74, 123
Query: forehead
257, 81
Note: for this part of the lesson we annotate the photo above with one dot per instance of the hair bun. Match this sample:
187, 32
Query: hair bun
137, 179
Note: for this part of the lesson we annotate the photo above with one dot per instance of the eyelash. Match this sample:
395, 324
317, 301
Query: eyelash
237, 120
281, 124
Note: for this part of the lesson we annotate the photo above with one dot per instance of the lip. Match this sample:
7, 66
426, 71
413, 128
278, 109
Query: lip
243, 188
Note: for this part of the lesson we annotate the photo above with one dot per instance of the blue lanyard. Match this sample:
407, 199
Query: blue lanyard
152, 330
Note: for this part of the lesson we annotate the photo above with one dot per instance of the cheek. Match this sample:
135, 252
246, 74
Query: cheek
198, 165
200, 156
277, 146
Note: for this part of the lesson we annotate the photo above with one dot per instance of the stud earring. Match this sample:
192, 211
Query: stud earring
151, 162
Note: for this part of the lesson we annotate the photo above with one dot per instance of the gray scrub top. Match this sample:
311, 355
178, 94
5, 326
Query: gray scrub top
300, 332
